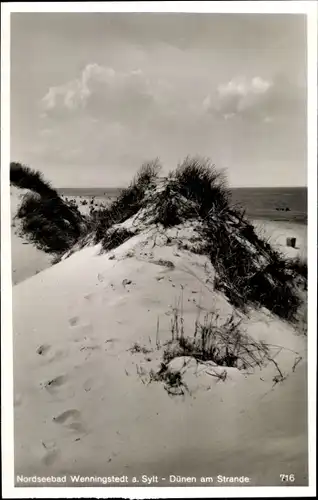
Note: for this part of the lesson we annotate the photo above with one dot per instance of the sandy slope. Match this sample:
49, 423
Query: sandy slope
26, 259
82, 408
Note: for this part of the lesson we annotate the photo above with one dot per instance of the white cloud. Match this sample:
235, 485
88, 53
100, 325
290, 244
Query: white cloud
256, 98
242, 87
98, 90
237, 96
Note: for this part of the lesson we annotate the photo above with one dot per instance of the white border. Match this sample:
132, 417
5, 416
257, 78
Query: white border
238, 7
312, 238
294, 7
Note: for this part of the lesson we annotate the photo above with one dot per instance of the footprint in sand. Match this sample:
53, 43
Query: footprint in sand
51, 453
49, 354
74, 321
55, 382
67, 415
88, 385
89, 296
43, 349
110, 343
50, 457
83, 329
71, 420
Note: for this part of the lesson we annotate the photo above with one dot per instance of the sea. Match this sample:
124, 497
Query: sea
278, 203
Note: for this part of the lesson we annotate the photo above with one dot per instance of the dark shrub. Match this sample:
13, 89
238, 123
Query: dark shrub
243, 276
46, 220
49, 223
169, 208
298, 266
115, 237
129, 201
198, 180
24, 177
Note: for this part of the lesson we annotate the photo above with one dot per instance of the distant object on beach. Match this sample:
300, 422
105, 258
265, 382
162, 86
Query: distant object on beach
291, 242
282, 209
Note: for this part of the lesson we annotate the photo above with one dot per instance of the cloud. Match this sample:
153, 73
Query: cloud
254, 98
242, 88
101, 90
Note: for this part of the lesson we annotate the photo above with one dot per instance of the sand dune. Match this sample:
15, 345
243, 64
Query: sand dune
83, 401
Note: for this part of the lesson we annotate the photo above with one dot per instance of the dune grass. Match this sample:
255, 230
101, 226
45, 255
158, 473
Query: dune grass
222, 343
50, 225
248, 271
298, 266
24, 177
216, 343
48, 222
198, 180
191, 192
115, 237
129, 201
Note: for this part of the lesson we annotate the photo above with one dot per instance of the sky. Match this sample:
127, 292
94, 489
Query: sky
93, 95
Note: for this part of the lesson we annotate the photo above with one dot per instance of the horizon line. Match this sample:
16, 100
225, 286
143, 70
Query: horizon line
230, 187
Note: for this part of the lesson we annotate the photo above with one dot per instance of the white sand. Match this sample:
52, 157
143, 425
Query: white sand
26, 259
81, 407
277, 233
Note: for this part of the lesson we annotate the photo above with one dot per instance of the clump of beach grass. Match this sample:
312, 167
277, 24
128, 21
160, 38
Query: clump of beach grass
215, 343
222, 343
45, 220
129, 201
115, 237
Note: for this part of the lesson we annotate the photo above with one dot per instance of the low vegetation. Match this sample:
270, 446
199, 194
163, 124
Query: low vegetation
214, 344
51, 224
115, 237
198, 180
298, 266
222, 343
248, 270
24, 177
129, 201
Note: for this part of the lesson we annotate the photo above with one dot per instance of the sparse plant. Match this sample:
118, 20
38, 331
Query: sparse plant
223, 344
115, 237
137, 348
215, 343
298, 266
172, 380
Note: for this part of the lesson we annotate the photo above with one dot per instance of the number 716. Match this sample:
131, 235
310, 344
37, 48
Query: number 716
289, 478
